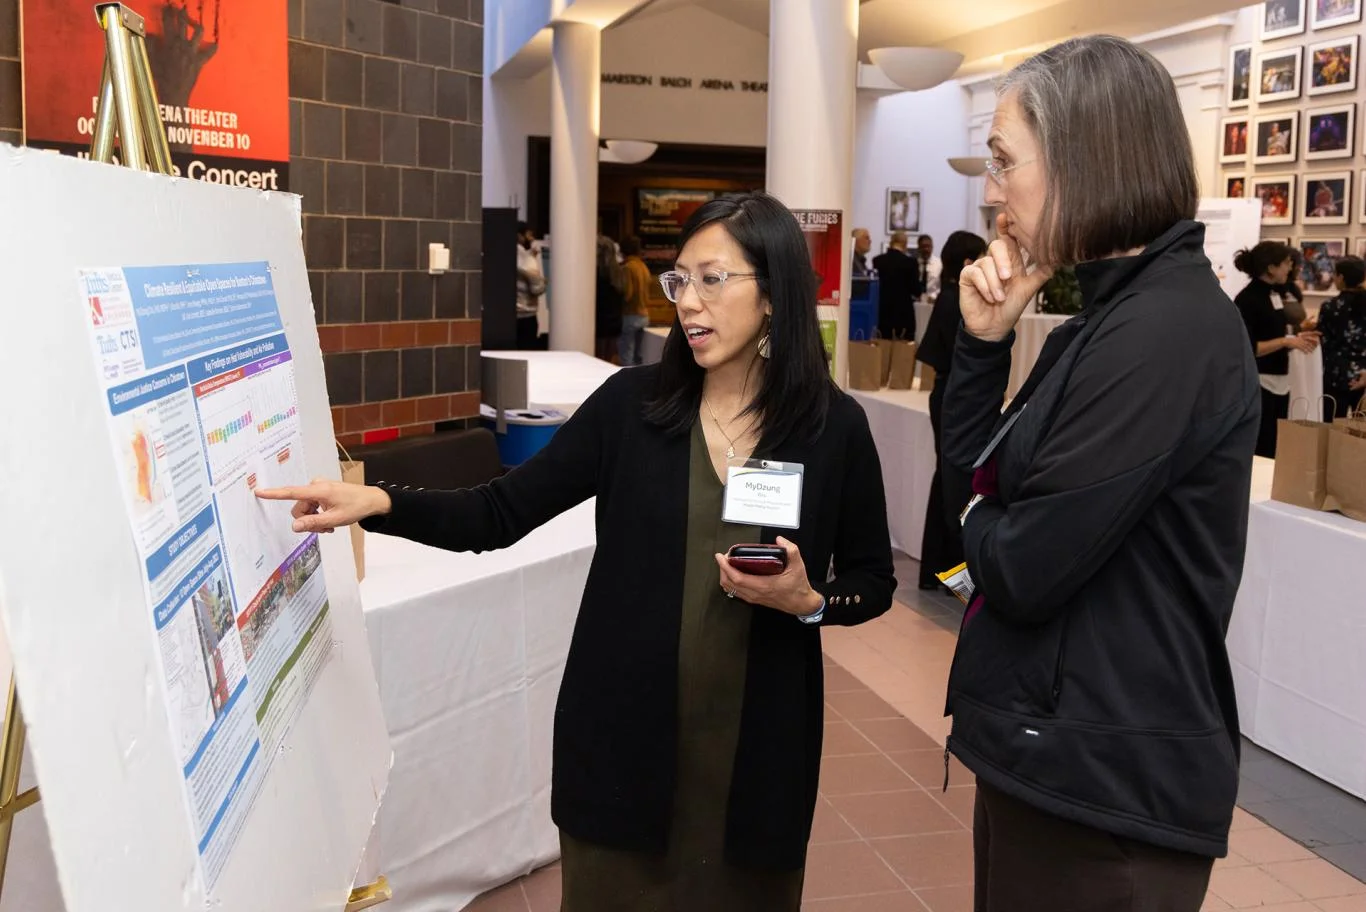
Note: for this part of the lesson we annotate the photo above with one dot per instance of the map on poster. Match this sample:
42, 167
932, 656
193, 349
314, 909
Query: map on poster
199, 393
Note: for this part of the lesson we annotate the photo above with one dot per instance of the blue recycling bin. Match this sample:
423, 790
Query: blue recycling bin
863, 301
528, 430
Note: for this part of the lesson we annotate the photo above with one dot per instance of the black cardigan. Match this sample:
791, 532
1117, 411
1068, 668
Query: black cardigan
1264, 323
616, 736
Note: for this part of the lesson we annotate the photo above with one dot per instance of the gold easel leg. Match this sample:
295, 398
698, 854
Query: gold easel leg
11, 756
102, 143
153, 128
369, 896
119, 22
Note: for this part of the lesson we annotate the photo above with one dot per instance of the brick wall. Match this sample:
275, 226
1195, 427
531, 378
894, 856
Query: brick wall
386, 106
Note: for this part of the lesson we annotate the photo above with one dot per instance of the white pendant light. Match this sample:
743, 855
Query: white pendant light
969, 165
627, 151
916, 68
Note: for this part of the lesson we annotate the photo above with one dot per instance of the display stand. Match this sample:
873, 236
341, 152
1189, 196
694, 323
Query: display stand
127, 108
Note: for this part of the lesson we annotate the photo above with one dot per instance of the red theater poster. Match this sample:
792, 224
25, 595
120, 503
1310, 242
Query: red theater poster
221, 71
824, 232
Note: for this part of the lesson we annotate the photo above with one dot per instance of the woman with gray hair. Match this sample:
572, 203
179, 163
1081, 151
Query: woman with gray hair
1104, 512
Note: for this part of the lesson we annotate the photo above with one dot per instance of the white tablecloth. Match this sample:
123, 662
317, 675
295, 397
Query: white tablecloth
557, 379
1306, 371
469, 651
900, 422
1298, 637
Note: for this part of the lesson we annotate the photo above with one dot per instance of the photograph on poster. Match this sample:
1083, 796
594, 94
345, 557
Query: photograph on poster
1329, 132
1234, 147
1319, 256
1333, 66
1282, 18
1239, 75
1278, 75
1333, 13
1275, 139
1277, 194
1327, 198
903, 209
1235, 186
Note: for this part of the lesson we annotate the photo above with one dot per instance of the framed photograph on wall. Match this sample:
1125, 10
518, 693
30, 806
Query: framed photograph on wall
1327, 198
1278, 75
1319, 257
1333, 66
1359, 248
1333, 13
1239, 75
1234, 145
1275, 138
1361, 207
1235, 186
1282, 18
1329, 132
1277, 193
903, 209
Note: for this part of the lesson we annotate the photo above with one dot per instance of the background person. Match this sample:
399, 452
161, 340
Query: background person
635, 314
1342, 327
1269, 265
898, 289
688, 729
1091, 692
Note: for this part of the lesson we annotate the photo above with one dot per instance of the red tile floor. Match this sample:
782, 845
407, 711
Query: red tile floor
888, 839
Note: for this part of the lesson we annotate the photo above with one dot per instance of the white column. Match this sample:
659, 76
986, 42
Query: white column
574, 118
812, 81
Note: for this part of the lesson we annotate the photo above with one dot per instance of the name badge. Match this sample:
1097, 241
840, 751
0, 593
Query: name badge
764, 492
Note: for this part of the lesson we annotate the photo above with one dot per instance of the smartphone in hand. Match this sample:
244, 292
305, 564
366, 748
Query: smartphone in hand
758, 560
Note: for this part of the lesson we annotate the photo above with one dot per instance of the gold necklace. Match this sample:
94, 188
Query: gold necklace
730, 450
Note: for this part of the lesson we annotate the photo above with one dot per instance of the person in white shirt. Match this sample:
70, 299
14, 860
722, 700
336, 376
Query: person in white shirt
530, 288
929, 265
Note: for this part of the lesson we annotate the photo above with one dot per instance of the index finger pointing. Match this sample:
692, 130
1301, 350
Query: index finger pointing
304, 493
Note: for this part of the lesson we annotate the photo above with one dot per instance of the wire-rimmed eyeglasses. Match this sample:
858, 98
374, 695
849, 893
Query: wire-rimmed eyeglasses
708, 285
998, 171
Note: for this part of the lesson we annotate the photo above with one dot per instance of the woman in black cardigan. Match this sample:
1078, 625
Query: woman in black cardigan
1264, 314
941, 546
688, 729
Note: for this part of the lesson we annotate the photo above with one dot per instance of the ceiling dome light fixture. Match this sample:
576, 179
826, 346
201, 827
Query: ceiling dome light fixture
627, 151
916, 68
969, 166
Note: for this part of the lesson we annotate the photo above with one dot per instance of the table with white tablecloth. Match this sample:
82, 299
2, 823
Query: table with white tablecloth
900, 424
469, 651
559, 379
1306, 371
1298, 637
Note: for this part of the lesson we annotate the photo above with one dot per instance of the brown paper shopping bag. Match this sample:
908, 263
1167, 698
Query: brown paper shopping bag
884, 348
865, 365
353, 472
903, 365
927, 378
1300, 477
1346, 476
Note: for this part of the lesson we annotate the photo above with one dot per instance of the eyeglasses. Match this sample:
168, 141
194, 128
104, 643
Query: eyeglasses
999, 171
708, 285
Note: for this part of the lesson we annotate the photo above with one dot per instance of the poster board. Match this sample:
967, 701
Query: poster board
823, 230
1230, 225
221, 70
87, 640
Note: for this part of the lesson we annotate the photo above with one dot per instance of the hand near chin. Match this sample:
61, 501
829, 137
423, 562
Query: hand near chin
995, 290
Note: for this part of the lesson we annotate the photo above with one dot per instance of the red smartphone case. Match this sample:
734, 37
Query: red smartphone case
758, 560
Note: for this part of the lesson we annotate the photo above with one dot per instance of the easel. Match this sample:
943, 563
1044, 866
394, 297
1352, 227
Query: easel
127, 104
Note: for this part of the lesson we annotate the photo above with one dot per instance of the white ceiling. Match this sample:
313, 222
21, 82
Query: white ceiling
992, 27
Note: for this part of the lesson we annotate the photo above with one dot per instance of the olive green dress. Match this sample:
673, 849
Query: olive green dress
713, 653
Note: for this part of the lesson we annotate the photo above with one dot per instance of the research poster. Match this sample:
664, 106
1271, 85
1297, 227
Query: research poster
198, 387
221, 70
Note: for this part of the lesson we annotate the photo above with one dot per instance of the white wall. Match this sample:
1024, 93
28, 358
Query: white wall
905, 140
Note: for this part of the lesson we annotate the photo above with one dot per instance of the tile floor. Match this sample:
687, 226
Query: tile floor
888, 839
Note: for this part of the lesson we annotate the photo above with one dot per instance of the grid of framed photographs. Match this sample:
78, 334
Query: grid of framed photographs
1289, 134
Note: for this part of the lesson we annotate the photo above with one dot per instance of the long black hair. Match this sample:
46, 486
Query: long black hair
795, 391
961, 246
